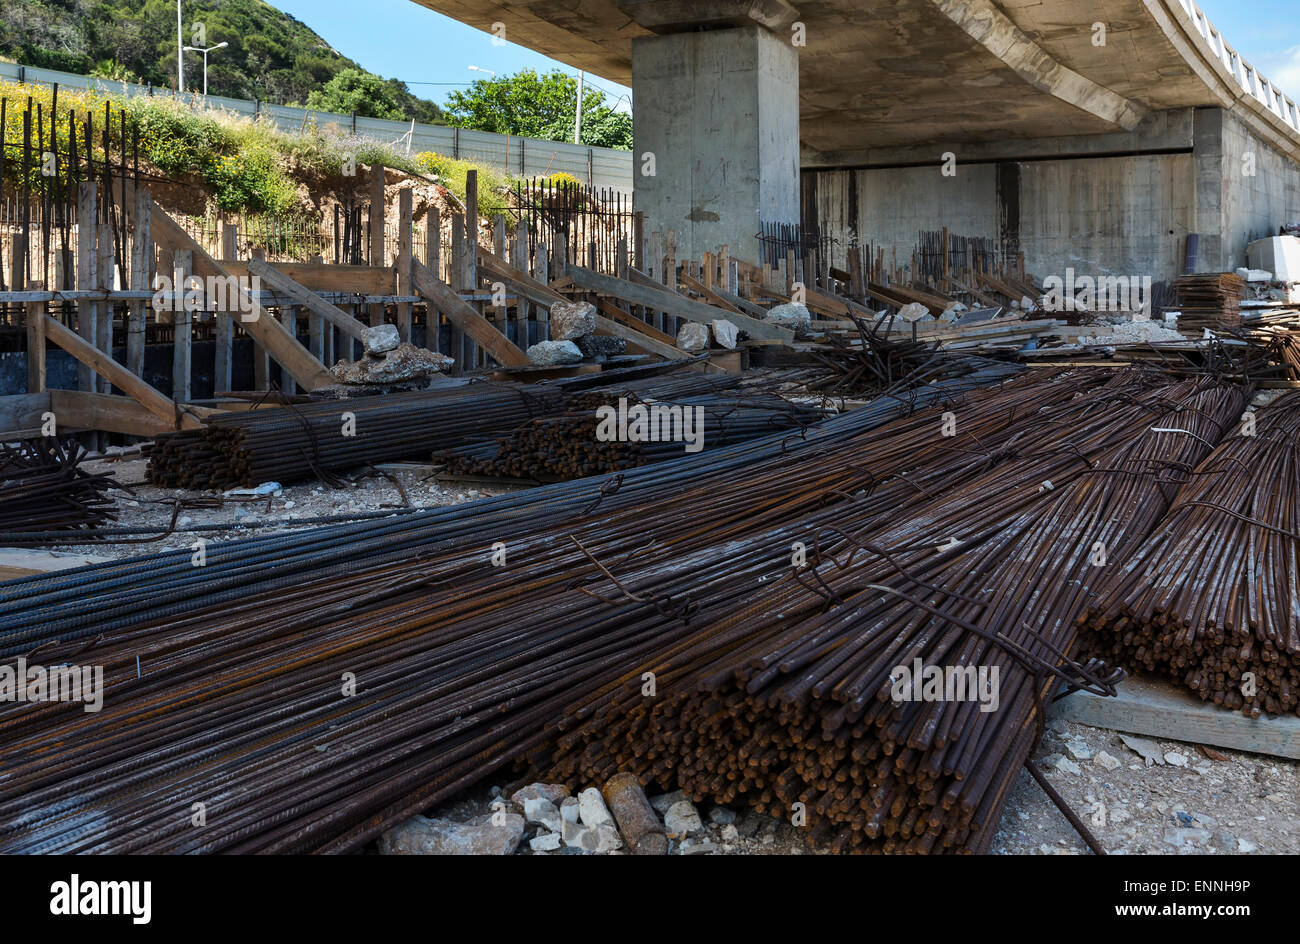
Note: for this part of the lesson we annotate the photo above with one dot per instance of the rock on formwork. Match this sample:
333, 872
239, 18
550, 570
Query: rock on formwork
554, 353
791, 315
693, 337
572, 320
725, 333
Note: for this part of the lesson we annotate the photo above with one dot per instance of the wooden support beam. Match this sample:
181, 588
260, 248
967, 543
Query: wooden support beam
672, 303
377, 231
612, 311
87, 221
466, 318
1157, 708
141, 261
108, 413
521, 266
183, 320
402, 261
104, 309
257, 321
34, 314
160, 406
708, 292
287, 285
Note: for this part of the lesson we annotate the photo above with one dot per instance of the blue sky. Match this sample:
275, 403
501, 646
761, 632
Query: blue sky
400, 39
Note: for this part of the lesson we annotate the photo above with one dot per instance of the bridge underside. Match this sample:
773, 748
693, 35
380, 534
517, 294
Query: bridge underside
1121, 102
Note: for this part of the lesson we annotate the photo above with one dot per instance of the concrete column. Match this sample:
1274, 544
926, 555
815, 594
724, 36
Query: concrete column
1210, 221
719, 111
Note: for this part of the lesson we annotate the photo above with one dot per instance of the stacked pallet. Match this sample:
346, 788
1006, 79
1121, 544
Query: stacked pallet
1209, 300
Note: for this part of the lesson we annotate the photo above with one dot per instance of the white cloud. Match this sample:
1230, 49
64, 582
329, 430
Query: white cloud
1283, 70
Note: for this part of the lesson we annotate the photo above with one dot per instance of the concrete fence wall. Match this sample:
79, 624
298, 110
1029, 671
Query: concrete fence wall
524, 157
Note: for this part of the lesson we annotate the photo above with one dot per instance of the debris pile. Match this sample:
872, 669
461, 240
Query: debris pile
43, 488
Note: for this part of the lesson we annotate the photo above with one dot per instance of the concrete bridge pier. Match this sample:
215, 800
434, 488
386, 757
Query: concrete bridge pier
717, 136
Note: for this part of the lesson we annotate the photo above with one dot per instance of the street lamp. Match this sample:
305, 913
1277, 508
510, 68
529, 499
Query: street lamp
205, 61
488, 71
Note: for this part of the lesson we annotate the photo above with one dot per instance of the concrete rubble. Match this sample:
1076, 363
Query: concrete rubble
725, 333
693, 337
554, 353
403, 365
572, 320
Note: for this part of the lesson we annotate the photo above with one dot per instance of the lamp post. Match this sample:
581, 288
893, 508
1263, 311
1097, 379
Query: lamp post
180, 54
205, 52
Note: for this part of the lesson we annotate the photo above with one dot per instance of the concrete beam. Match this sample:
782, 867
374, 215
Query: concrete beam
991, 28
1160, 132
684, 16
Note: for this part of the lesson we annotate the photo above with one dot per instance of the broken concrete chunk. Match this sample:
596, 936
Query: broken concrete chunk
569, 809
545, 842
424, 836
404, 363
581, 837
791, 315
607, 838
572, 320
554, 353
592, 809
599, 346
693, 336
913, 311
543, 811
682, 817
554, 792
1149, 750
663, 801
725, 333
380, 339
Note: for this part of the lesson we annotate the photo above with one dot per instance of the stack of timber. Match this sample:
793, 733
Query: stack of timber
1209, 300
1210, 600
43, 488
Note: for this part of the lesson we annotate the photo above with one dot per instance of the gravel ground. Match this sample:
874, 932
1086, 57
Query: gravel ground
1193, 801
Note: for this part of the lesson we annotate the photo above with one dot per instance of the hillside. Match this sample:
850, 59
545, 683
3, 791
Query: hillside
271, 56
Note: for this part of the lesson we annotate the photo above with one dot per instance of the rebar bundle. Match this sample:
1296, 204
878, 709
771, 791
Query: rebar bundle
228, 684
787, 702
576, 444
293, 442
1210, 599
222, 683
43, 488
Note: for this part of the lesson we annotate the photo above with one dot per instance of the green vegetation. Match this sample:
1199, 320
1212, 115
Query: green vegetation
271, 56
452, 174
248, 165
539, 106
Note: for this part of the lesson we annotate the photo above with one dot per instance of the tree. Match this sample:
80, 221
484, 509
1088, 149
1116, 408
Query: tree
538, 106
352, 91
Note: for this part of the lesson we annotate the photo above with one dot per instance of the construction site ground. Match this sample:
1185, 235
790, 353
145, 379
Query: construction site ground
1179, 799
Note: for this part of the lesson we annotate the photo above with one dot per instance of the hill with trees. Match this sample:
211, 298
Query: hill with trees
271, 56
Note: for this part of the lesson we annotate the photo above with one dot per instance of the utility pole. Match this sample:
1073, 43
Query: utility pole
577, 117
180, 53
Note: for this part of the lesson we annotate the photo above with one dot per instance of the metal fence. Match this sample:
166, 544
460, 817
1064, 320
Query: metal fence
523, 157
